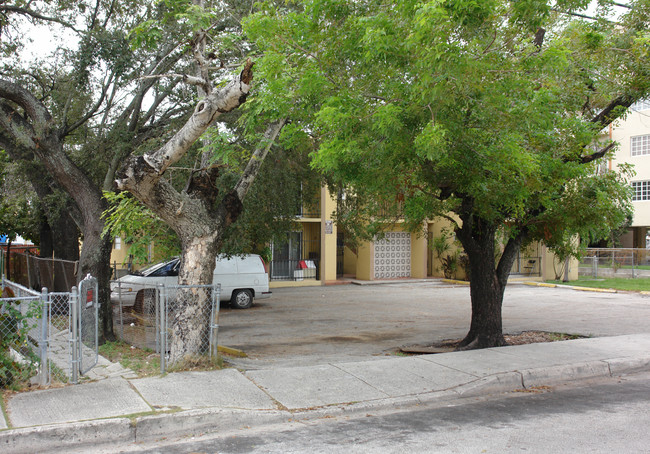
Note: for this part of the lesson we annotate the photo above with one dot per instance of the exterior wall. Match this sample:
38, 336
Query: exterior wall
550, 265
328, 237
365, 256
436, 229
627, 239
349, 262
119, 252
637, 123
418, 255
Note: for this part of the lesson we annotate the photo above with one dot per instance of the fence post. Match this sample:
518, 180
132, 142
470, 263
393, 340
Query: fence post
157, 320
163, 327
74, 335
44, 340
214, 321
119, 297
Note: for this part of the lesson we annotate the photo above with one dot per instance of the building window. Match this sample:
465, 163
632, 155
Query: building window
640, 145
641, 190
642, 104
118, 243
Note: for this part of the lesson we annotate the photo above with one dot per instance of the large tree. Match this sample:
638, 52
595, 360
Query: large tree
199, 213
82, 106
139, 101
483, 113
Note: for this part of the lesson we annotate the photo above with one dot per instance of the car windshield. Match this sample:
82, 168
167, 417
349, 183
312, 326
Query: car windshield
169, 268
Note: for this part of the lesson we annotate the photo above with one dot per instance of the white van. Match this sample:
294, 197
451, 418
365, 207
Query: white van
242, 279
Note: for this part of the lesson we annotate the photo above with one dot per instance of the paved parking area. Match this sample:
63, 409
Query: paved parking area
317, 325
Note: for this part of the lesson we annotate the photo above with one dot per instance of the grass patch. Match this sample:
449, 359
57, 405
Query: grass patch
617, 283
199, 362
144, 362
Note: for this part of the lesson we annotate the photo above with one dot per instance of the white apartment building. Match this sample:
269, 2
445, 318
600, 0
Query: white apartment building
633, 136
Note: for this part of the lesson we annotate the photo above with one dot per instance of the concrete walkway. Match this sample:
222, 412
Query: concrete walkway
59, 354
97, 414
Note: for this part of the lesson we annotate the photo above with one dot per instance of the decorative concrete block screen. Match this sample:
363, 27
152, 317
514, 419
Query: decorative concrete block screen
393, 255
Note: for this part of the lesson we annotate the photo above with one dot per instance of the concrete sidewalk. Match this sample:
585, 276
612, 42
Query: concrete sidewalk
96, 414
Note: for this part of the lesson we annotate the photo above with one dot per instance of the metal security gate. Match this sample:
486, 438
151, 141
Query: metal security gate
85, 317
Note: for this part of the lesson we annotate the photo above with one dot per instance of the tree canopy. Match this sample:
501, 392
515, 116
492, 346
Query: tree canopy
118, 81
484, 113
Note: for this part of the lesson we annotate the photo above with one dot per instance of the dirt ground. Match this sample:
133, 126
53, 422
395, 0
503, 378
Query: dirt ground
316, 325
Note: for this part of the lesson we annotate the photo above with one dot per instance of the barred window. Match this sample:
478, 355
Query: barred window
642, 104
640, 145
641, 190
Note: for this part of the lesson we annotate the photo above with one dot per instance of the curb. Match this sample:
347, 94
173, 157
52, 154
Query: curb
455, 281
63, 437
574, 287
392, 281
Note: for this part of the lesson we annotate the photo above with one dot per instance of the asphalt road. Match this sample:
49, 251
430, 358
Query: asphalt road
608, 416
316, 325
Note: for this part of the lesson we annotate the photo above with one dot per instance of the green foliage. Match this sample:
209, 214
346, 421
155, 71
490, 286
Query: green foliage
440, 244
139, 227
450, 264
14, 327
183, 15
421, 109
19, 214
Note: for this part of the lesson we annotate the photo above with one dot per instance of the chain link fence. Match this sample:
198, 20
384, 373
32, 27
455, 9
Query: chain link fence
615, 262
51, 334
20, 316
176, 321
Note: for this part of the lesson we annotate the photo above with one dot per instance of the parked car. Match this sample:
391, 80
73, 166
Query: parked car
242, 279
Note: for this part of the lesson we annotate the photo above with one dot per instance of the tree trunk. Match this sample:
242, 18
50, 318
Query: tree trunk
45, 243
486, 290
488, 279
191, 308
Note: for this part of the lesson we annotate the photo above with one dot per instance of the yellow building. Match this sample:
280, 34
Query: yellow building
315, 253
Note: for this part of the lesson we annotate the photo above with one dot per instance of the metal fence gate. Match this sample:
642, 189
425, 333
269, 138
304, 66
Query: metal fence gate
57, 333
88, 324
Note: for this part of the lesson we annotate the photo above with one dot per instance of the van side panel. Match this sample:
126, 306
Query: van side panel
241, 273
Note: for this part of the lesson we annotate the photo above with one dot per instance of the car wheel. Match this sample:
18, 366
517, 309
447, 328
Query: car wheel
241, 299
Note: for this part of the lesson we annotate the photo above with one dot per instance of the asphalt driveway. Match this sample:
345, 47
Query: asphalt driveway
316, 325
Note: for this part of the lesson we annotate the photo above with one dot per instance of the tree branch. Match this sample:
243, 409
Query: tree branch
254, 163
91, 112
26, 100
599, 154
606, 116
152, 165
36, 15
